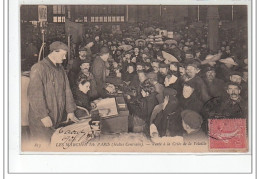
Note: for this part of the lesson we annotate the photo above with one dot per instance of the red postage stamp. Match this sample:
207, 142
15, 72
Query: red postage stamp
227, 134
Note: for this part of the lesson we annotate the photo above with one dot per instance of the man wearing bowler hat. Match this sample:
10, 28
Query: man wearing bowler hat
49, 95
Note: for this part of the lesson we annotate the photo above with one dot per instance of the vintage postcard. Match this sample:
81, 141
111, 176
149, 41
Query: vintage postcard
135, 78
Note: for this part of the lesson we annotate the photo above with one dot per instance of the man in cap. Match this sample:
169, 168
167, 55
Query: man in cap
236, 77
214, 85
137, 55
75, 69
99, 69
97, 45
49, 94
139, 66
225, 68
163, 72
166, 115
85, 73
192, 70
192, 122
234, 106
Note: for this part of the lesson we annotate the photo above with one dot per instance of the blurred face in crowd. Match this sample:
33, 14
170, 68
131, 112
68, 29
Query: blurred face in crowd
113, 48
236, 79
139, 68
128, 56
173, 46
245, 76
105, 56
84, 87
147, 60
82, 54
182, 71
141, 77
130, 69
173, 67
233, 92
118, 53
191, 71
136, 50
59, 55
210, 75
149, 46
85, 67
115, 64
187, 91
144, 55
97, 38
140, 44
185, 49
164, 71
155, 67
223, 49
227, 48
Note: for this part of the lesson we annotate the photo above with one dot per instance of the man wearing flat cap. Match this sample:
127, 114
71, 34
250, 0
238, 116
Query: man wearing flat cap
192, 70
236, 77
192, 122
234, 106
49, 94
99, 69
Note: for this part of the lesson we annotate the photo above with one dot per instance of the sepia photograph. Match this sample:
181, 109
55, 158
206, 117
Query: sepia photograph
134, 78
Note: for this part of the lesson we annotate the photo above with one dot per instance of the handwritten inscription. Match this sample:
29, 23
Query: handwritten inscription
74, 138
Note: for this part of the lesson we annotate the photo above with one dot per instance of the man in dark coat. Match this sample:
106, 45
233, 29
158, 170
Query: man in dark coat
164, 68
99, 69
234, 106
214, 85
192, 70
75, 68
49, 94
166, 116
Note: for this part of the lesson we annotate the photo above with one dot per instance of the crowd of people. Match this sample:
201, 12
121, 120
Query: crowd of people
171, 85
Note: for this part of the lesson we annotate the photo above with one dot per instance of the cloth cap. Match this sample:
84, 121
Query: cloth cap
163, 65
104, 50
140, 63
236, 73
194, 64
192, 118
209, 68
84, 61
57, 45
169, 92
235, 84
83, 49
